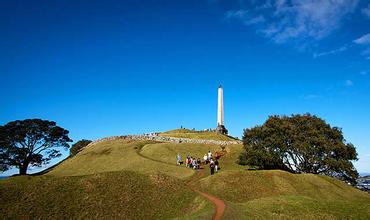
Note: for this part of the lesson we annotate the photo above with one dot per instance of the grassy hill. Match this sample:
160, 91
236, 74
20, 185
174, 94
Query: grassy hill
120, 194
269, 194
206, 135
275, 193
114, 156
109, 179
139, 179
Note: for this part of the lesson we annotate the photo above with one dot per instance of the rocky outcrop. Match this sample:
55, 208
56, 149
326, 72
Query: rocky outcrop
165, 140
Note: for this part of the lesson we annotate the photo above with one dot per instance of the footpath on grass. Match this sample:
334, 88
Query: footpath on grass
219, 204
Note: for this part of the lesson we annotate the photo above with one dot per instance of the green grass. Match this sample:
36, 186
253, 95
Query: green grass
114, 156
205, 135
278, 194
120, 194
167, 152
298, 207
269, 194
139, 180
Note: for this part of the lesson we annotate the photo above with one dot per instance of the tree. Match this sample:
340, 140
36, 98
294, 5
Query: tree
300, 144
30, 142
78, 146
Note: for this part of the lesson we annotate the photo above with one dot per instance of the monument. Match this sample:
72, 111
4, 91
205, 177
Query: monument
220, 112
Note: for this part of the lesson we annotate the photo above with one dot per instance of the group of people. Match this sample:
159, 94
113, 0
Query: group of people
193, 163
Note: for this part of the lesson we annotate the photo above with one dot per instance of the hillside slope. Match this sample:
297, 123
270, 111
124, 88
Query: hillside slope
115, 155
120, 194
275, 193
269, 194
205, 135
122, 174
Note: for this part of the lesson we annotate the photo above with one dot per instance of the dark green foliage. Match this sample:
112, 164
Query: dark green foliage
300, 144
30, 142
76, 147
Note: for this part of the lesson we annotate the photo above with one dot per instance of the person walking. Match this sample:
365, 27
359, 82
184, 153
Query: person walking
209, 156
212, 166
216, 166
178, 159
188, 161
195, 166
205, 158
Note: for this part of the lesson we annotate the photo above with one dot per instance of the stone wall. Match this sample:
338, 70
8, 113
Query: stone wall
165, 140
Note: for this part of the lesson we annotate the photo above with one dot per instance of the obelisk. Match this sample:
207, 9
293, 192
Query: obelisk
220, 112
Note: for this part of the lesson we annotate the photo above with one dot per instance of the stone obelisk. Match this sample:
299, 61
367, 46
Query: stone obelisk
220, 112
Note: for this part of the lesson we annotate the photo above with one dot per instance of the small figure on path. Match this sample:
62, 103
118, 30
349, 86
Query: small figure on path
205, 158
216, 165
212, 166
187, 161
194, 163
209, 155
178, 159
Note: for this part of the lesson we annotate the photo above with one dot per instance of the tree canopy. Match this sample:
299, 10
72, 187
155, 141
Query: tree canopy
300, 144
30, 142
76, 147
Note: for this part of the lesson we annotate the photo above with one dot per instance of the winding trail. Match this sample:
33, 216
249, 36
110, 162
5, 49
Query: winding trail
219, 204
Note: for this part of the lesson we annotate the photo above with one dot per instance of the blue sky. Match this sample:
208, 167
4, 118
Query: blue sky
104, 68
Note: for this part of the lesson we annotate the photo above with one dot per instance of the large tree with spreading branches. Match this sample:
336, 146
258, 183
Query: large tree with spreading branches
30, 142
300, 144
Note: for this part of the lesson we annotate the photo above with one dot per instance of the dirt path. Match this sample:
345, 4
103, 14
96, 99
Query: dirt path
220, 205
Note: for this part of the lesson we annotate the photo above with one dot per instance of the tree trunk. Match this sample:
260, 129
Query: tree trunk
23, 169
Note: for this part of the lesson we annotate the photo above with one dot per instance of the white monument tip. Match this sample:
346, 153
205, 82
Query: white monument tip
220, 112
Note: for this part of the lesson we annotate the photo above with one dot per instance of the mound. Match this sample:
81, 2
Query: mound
277, 193
124, 195
139, 179
205, 135
115, 155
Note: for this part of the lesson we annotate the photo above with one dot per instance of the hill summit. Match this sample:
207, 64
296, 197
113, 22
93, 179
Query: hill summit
136, 179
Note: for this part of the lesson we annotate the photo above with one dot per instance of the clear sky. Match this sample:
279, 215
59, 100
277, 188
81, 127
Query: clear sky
104, 68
